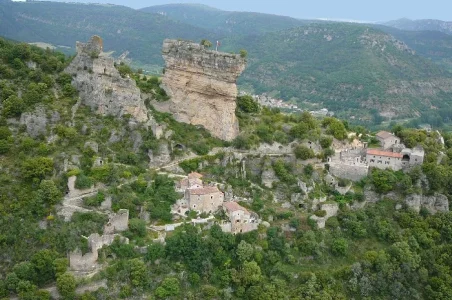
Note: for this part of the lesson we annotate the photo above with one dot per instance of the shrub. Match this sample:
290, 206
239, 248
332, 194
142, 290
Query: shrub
320, 213
303, 152
243, 53
247, 104
13, 106
339, 246
83, 182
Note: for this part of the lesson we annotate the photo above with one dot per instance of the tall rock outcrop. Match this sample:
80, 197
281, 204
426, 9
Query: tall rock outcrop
100, 85
202, 86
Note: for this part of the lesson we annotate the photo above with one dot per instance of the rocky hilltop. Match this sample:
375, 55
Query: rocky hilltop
101, 86
202, 86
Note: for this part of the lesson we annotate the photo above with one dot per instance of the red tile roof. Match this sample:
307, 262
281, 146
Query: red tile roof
385, 135
377, 152
194, 175
204, 190
233, 206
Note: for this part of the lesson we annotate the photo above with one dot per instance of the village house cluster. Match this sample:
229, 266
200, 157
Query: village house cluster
354, 163
208, 199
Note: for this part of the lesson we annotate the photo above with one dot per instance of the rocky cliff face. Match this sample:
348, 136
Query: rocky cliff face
101, 86
202, 86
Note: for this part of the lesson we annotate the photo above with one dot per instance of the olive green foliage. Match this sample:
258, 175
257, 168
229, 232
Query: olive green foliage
243, 53
39, 167
161, 195
206, 43
335, 127
151, 85
247, 104
124, 69
186, 135
303, 152
283, 172
66, 285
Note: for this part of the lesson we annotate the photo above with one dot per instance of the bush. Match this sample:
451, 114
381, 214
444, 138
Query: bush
339, 246
303, 152
326, 141
243, 53
83, 182
137, 227
95, 200
13, 106
247, 104
320, 213
37, 167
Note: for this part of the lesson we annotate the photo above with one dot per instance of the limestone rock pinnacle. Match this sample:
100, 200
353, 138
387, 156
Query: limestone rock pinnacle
202, 86
100, 85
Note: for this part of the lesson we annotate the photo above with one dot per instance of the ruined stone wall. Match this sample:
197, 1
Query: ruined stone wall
202, 86
348, 171
100, 85
118, 222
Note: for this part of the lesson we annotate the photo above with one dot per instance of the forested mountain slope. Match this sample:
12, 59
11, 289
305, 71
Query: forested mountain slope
345, 67
225, 22
123, 28
421, 25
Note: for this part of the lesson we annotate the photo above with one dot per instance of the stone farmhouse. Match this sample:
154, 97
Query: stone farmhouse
209, 199
354, 164
241, 219
197, 196
387, 140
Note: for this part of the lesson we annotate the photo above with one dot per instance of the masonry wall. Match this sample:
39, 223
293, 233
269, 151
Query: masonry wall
384, 162
206, 203
350, 172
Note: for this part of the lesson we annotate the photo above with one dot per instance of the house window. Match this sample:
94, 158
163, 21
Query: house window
194, 205
386, 162
379, 162
372, 160
211, 197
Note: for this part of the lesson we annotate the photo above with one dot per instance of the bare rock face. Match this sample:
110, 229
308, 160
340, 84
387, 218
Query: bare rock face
202, 86
100, 85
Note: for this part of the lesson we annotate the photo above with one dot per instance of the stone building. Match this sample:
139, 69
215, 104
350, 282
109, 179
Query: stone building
384, 159
387, 140
192, 181
205, 199
241, 219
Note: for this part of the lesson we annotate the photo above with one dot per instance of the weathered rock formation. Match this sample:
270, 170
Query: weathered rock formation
331, 210
434, 204
100, 85
202, 86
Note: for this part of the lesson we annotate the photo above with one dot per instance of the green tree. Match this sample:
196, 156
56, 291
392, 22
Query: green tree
326, 141
244, 251
38, 167
168, 288
48, 193
66, 285
339, 246
243, 53
138, 273
137, 227
43, 264
247, 104
303, 152
206, 43
13, 106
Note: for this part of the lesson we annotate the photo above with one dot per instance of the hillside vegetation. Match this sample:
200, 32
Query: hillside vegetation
354, 70
225, 22
375, 252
